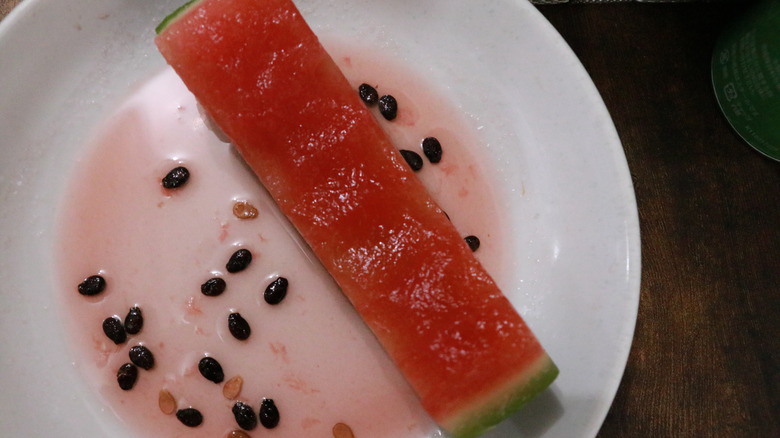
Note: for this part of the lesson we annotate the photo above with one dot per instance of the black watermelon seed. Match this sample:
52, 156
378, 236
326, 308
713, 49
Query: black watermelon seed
142, 357
213, 287
276, 291
413, 159
134, 321
245, 416
127, 376
238, 326
113, 328
473, 242
177, 177
432, 149
269, 414
211, 369
239, 261
388, 107
190, 417
368, 94
92, 285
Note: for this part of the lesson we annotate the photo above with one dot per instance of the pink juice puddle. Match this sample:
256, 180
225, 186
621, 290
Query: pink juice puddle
311, 353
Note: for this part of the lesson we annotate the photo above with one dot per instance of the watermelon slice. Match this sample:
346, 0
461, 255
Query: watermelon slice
262, 75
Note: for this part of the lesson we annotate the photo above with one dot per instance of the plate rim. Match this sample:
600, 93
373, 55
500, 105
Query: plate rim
27, 9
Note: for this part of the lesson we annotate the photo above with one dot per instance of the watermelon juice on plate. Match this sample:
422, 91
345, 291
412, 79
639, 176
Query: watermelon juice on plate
554, 166
310, 353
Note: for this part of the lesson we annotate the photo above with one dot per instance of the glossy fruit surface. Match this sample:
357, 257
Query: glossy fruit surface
335, 174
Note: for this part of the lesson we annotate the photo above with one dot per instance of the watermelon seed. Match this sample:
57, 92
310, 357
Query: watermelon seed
211, 369
190, 417
432, 149
473, 242
269, 413
368, 94
276, 291
245, 416
237, 434
142, 357
213, 287
177, 177
126, 376
166, 402
238, 326
388, 107
239, 261
112, 327
92, 285
134, 321
232, 387
341, 430
244, 210
413, 159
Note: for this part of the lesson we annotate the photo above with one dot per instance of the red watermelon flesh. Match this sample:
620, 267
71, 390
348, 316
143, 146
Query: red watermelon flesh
262, 75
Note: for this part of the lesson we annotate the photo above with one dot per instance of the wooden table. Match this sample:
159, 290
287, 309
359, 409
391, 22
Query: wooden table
6, 6
706, 354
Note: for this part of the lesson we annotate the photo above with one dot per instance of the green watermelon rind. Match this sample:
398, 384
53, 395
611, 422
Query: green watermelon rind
473, 421
174, 15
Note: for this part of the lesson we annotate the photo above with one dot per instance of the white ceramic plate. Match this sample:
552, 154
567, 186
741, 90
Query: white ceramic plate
560, 171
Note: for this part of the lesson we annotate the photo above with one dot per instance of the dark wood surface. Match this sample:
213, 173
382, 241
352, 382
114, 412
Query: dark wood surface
706, 355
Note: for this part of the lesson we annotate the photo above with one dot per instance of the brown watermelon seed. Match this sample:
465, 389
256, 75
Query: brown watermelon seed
113, 328
244, 210
473, 242
388, 107
341, 430
232, 388
368, 94
269, 413
92, 285
239, 261
177, 177
134, 321
190, 417
237, 434
126, 376
432, 149
413, 159
166, 402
